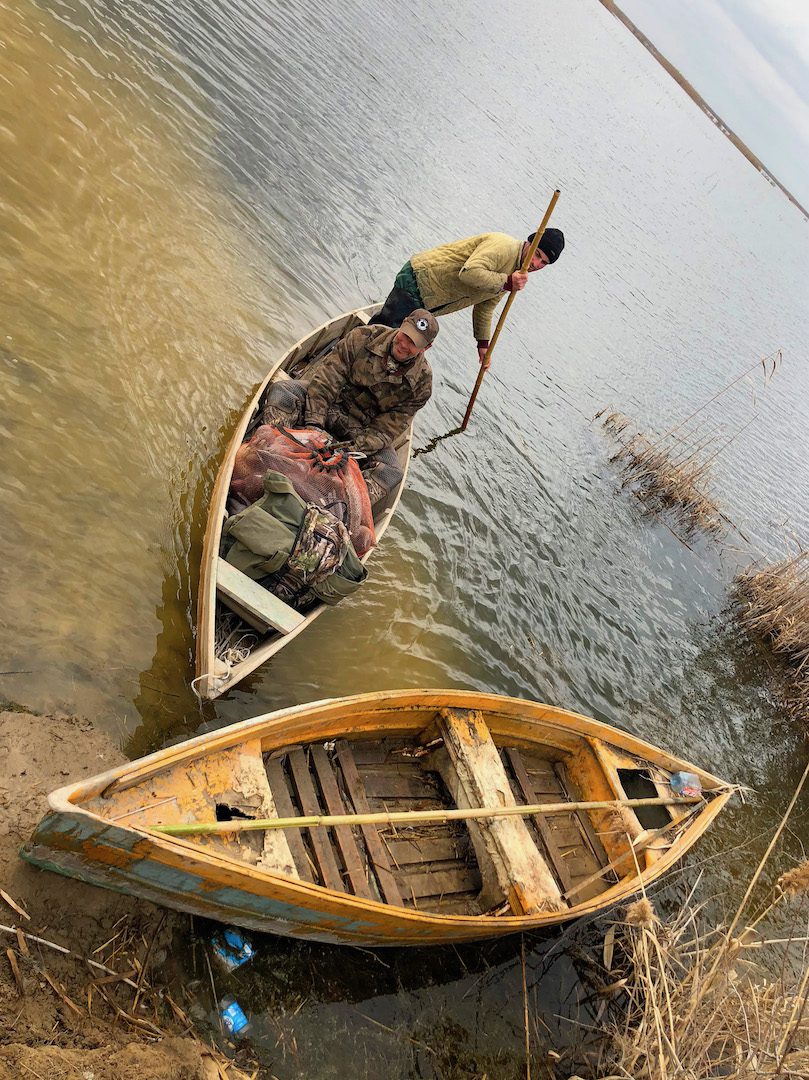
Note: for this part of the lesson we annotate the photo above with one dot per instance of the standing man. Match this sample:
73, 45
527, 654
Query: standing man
477, 272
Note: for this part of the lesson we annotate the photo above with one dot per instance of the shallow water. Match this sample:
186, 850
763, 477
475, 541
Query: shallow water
189, 188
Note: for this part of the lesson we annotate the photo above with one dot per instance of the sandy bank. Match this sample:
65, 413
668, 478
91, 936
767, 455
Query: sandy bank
73, 1026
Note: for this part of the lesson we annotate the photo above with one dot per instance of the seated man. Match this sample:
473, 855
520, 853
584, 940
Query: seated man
477, 272
364, 392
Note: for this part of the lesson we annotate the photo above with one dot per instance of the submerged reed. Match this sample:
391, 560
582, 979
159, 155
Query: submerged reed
668, 479
773, 604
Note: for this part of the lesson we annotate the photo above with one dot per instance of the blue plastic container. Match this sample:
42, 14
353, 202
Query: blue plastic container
686, 784
231, 948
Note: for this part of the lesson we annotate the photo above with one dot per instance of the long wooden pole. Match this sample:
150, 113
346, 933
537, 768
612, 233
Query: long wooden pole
408, 817
525, 264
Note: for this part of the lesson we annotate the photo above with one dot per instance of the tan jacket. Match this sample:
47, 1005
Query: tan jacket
354, 394
468, 273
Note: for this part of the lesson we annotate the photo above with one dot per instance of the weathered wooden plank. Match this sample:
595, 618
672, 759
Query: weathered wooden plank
381, 751
376, 849
344, 834
422, 883
319, 838
456, 904
528, 793
283, 803
512, 866
404, 806
232, 584
400, 781
426, 850
583, 818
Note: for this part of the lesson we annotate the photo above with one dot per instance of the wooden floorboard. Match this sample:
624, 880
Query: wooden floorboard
398, 783
529, 795
427, 850
376, 849
427, 883
319, 838
283, 804
343, 834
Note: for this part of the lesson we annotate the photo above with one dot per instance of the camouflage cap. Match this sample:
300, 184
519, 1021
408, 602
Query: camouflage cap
421, 327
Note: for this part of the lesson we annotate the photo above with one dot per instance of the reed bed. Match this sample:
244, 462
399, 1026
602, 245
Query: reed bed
686, 1002
668, 478
695, 1006
773, 604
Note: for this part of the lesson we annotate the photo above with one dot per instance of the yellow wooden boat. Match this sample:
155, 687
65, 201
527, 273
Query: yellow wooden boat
239, 624
431, 844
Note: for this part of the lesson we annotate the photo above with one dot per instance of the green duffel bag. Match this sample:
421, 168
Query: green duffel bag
262, 536
259, 541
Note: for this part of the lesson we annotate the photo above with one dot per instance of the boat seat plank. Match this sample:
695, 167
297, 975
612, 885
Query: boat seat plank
528, 795
376, 849
511, 864
280, 793
233, 585
319, 838
344, 834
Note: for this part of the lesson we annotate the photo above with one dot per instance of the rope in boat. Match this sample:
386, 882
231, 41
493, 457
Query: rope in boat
232, 646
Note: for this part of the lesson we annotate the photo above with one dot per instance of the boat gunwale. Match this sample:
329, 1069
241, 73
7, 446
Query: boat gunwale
385, 701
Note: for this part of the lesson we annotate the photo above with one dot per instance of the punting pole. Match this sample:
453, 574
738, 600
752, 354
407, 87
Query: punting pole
409, 817
525, 264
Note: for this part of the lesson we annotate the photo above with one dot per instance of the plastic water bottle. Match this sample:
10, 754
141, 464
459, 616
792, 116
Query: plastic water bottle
235, 1022
231, 948
686, 784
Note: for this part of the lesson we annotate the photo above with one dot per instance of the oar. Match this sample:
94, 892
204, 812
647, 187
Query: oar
525, 264
408, 817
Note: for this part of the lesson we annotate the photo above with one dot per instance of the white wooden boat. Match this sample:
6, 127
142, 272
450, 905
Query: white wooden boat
241, 625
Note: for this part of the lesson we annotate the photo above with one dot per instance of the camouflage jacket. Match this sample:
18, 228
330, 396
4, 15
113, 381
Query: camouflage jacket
468, 273
355, 395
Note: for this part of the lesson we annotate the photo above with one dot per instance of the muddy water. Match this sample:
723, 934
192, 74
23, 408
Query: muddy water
186, 189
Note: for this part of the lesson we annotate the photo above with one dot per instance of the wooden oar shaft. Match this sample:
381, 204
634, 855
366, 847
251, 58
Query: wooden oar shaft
525, 264
408, 817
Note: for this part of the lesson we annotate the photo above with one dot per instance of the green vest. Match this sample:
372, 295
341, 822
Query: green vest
259, 540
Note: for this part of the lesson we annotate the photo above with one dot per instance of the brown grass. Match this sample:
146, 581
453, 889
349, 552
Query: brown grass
774, 606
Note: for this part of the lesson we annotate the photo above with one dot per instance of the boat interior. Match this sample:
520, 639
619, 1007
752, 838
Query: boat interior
249, 617
443, 759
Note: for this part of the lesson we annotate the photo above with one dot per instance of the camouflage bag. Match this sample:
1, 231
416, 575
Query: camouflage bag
319, 548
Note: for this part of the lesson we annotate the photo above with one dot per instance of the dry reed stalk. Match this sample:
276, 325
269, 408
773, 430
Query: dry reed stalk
695, 1007
773, 604
668, 480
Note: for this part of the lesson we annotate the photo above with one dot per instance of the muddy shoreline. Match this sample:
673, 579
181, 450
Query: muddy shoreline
61, 1018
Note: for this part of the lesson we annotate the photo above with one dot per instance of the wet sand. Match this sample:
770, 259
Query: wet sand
43, 1035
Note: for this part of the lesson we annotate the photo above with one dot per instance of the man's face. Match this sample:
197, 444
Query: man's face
539, 260
403, 348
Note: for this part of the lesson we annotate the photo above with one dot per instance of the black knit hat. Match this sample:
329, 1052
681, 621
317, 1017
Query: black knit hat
552, 243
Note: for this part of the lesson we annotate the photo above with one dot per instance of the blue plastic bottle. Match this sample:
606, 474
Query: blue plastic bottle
235, 1022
